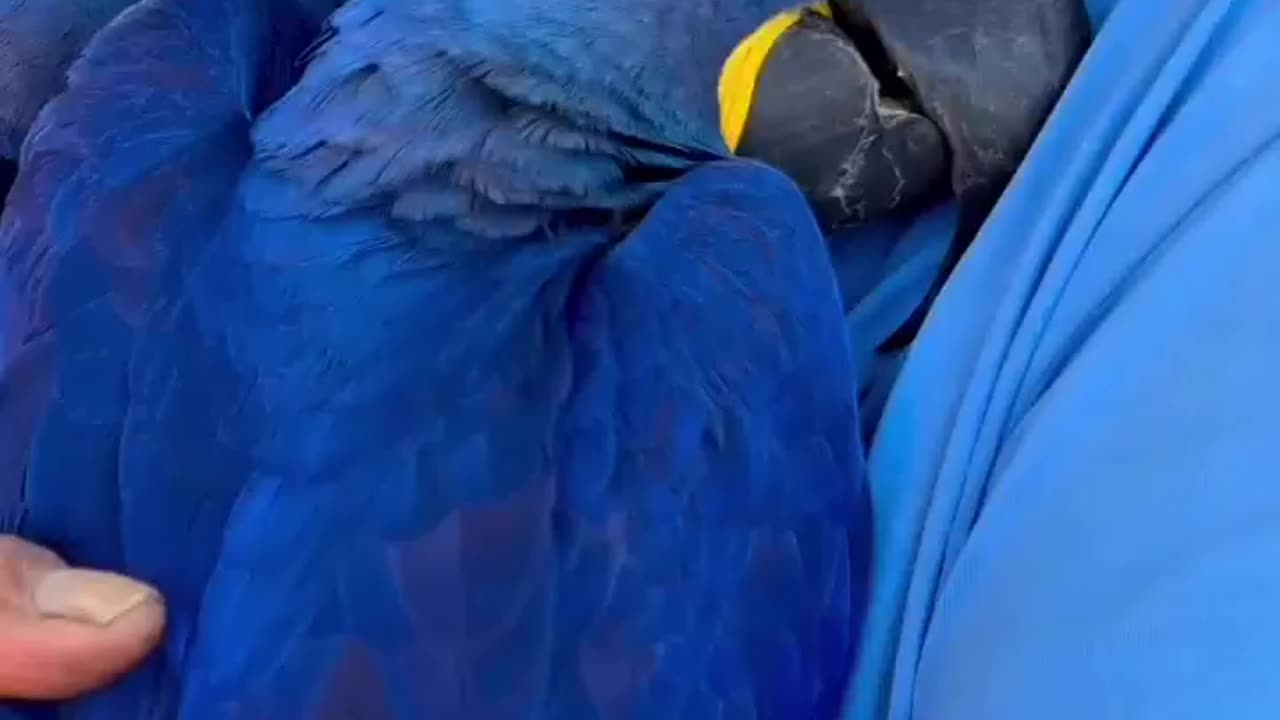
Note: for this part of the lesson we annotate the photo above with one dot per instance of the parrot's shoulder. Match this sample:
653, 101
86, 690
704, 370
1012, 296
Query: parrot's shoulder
711, 505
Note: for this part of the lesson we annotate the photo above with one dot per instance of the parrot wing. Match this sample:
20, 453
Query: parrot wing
118, 176
712, 460
541, 474
122, 178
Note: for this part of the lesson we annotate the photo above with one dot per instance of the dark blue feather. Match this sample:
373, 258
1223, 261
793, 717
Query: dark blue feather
39, 39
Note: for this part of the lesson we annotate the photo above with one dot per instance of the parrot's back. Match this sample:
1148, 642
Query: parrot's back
38, 41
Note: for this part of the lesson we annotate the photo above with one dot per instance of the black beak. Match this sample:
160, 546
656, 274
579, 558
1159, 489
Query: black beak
891, 102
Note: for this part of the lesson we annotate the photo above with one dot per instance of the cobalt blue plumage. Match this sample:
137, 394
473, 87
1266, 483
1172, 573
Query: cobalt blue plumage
38, 41
374, 387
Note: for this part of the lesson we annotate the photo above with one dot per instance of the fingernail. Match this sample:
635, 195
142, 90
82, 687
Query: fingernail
89, 595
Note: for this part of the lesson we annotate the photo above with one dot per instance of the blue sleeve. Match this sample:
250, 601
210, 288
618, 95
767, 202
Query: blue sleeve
1074, 480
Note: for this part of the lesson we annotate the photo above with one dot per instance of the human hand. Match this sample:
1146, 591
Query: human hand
66, 631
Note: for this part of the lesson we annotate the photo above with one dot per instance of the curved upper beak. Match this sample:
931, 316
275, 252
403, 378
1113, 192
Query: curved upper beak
877, 104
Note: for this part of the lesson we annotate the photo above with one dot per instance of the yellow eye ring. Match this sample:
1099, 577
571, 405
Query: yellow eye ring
741, 71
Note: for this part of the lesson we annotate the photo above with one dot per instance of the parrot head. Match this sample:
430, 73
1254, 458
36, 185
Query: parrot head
503, 114
646, 69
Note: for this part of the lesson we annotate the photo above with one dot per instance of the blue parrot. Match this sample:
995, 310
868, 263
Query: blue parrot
457, 375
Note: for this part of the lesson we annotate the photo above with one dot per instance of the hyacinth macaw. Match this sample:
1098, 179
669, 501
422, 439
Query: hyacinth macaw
457, 375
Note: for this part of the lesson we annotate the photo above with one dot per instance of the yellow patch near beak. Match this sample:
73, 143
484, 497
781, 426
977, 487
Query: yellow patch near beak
741, 71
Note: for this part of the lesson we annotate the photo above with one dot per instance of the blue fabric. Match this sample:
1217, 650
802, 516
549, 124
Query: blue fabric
1075, 478
885, 270
385, 468
1099, 10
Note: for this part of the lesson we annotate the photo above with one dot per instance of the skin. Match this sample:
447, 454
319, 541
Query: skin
64, 631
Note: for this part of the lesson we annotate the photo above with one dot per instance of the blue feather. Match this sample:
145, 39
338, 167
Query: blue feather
38, 42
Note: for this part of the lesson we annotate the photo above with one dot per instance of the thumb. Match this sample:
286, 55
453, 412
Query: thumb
66, 631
